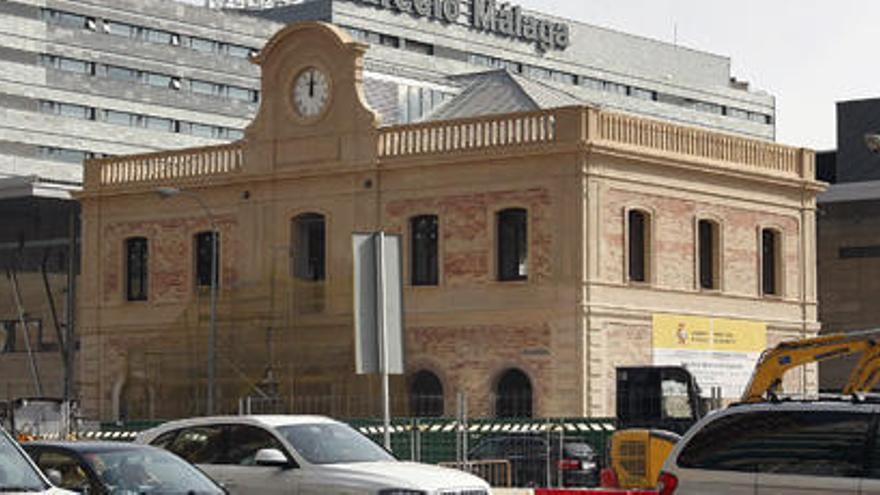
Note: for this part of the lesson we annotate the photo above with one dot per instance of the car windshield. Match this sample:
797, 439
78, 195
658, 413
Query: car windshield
332, 443
146, 470
16, 473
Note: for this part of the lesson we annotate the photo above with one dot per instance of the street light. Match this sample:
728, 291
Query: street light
168, 192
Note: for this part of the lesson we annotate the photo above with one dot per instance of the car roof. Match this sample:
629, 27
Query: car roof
270, 421
85, 447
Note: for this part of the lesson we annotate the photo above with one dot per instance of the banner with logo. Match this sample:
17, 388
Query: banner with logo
718, 352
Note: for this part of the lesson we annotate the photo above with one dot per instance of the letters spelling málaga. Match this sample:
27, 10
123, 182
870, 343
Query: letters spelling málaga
487, 15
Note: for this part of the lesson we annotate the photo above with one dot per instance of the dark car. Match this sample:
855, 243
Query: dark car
115, 468
536, 462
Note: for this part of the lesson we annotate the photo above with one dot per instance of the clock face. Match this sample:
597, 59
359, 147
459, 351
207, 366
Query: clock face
310, 92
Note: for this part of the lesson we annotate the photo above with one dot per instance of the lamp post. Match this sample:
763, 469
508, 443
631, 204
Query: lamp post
168, 192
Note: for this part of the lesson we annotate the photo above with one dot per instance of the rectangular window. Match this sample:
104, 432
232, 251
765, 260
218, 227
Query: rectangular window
121, 118
136, 269
392, 41
512, 244
638, 245
205, 88
201, 130
770, 262
238, 51
160, 37
157, 80
203, 45
423, 246
708, 254
563, 77
642, 94
309, 246
859, 252
737, 113
123, 74
241, 94
68, 19
205, 263
159, 124
419, 47
121, 29
538, 72
67, 110
62, 154
589, 82
620, 89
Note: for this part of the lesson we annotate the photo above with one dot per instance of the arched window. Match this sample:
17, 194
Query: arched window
639, 249
136, 274
426, 395
423, 250
708, 251
308, 246
513, 260
513, 395
770, 262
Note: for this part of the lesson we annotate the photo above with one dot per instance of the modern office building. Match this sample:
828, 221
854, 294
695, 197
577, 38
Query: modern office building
541, 250
107, 77
848, 230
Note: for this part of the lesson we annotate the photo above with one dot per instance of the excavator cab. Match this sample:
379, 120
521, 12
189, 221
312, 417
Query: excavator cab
655, 404
658, 397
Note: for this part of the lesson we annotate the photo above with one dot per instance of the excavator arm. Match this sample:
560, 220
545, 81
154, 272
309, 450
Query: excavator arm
774, 362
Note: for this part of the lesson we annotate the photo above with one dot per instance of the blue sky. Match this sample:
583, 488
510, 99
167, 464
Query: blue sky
809, 54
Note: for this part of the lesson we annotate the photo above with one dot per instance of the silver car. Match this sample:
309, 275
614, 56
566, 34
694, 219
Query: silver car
18, 473
306, 455
791, 447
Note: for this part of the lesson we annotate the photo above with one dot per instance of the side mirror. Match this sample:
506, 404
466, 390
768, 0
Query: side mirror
271, 457
55, 477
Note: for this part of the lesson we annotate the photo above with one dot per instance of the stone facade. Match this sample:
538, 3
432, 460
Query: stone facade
566, 325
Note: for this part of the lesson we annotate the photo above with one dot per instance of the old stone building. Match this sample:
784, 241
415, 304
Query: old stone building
539, 249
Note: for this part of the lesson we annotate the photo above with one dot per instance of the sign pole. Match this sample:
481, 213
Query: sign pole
383, 336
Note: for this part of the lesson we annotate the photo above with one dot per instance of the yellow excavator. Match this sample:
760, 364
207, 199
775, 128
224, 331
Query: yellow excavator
656, 404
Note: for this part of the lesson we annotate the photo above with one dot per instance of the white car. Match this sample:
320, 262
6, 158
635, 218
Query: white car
18, 474
304, 455
795, 447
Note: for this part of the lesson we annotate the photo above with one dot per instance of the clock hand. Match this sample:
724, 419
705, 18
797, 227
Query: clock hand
311, 84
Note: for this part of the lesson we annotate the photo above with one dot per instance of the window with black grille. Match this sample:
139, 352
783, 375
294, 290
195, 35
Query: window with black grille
136, 262
423, 250
638, 224
770, 262
205, 245
707, 245
512, 244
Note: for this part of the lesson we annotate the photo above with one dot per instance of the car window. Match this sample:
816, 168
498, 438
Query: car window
200, 445
165, 439
577, 449
486, 449
73, 474
525, 446
332, 443
814, 443
873, 466
145, 470
15, 470
244, 441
